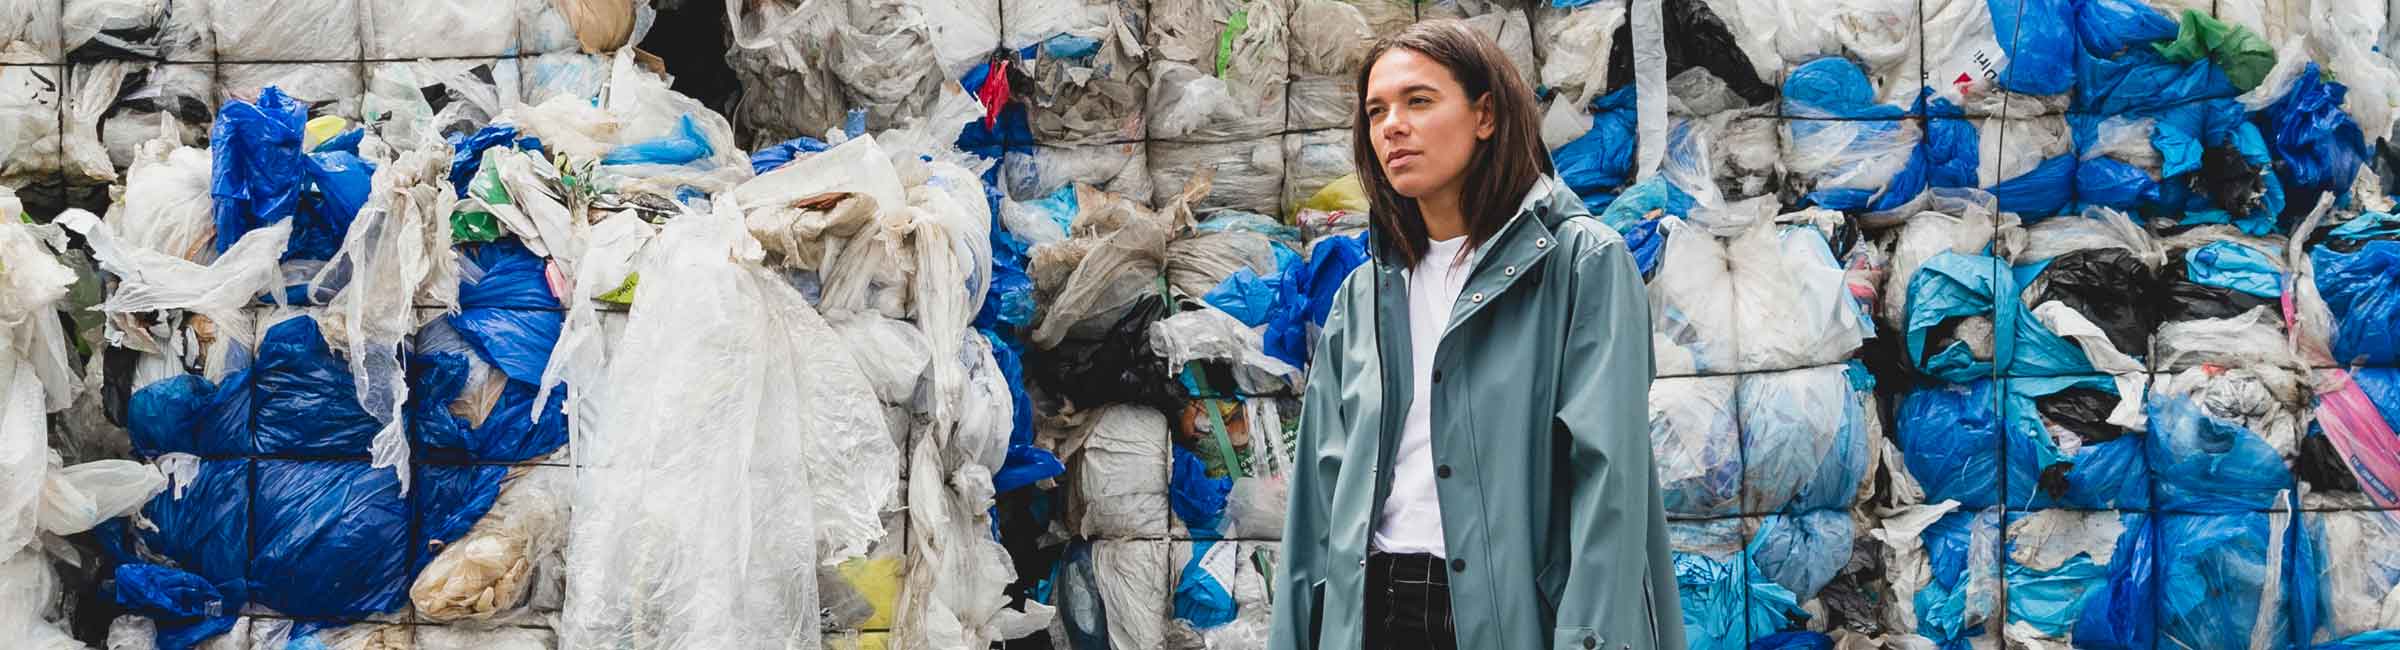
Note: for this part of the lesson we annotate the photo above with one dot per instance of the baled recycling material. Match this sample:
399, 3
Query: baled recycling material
375, 325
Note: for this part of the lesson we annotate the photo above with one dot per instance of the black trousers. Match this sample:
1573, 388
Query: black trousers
1408, 603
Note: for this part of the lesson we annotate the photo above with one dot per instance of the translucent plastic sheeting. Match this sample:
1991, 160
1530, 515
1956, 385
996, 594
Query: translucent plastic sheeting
1221, 70
1248, 175
806, 65
1313, 161
1329, 44
287, 30
391, 258
1046, 170
2347, 575
1804, 439
411, 29
1697, 441
35, 379
1692, 303
491, 572
802, 478
1793, 300
1113, 594
1088, 65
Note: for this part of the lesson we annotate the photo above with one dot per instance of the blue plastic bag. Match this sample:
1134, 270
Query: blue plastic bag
2316, 142
2100, 476
1712, 596
2046, 190
1942, 607
2214, 571
1802, 552
1329, 264
2362, 291
256, 163
777, 155
1201, 597
2227, 265
1950, 285
2143, 79
446, 501
2108, 28
2202, 464
1793, 640
2039, 37
466, 155
1601, 161
206, 528
331, 539
1245, 296
1197, 499
1950, 439
686, 145
1646, 242
517, 344
305, 397
338, 183
185, 413
507, 276
186, 608
2124, 615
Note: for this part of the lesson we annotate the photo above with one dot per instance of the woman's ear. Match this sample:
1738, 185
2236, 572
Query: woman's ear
1484, 123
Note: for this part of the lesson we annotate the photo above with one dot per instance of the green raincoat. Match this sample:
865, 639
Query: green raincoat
1551, 509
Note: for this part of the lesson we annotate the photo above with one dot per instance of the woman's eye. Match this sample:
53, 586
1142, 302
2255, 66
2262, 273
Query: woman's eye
1419, 101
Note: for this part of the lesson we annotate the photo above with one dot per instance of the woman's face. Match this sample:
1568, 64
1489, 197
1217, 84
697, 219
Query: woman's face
1422, 124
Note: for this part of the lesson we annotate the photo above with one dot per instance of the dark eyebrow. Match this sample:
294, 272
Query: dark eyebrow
1410, 89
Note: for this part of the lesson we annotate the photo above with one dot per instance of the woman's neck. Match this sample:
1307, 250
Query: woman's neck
1443, 221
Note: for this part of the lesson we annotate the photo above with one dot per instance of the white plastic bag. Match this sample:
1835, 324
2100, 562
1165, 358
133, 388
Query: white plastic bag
1575, 45
74, 499
1119, 479
1212, 335
1792, 300
1692, 303
1198, 93
394, 257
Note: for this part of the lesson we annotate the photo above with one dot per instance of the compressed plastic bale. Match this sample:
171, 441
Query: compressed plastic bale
1220, 597
1088, 67
634, 498
287, 30
2219, 445
167, 101
2222, 580
1714, 62
136, 29
1944, 568
2081, 578
2025, 163
1787, 276
1113, 594
1505, 23
803, 68
1574, 46
1313, 161
1210, 82
326, 89
2344, 580
1697, 440
412, 29
268, 633
1981, 55
1248, 176
29, 603
1119, 478
1800, 551
409, 102
33, 29
1692, 304
1804, 439
1949, 437
1045, 170
1882, 34
29, 103
1329, 44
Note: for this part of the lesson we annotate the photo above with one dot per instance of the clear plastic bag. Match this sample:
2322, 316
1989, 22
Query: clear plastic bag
1793, 299
492, 570
804, 478
1328, 51
1692, 304
1090, 79
1211, 82
1697, 443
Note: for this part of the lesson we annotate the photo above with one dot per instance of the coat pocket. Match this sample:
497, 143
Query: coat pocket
1575, 638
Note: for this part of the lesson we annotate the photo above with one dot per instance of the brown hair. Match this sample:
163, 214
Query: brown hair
1503, 167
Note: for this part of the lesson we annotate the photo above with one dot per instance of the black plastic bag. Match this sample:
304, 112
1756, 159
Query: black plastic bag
2321, 466
2111, 288
1696, 38
2083, 411
2230, 182
2181, 299
1119, 368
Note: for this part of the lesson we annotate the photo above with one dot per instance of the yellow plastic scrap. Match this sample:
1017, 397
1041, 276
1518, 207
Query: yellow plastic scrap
1344, 194
878, 579
322, 129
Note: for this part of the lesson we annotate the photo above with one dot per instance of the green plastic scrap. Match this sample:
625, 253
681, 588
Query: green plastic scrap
2243, 55
623, 294
474, 226
1234, 26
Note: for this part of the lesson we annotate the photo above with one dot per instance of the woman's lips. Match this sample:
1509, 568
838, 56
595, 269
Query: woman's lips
1398, 158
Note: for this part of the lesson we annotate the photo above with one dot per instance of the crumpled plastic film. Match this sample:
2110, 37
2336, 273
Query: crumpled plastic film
1697, 443
412, 29
1327, 49
1221, 70
1247, 176
1119, 479
1087, 64
804, 66
1692, 303
491, 571
1046, 171
739, 343
1787, 277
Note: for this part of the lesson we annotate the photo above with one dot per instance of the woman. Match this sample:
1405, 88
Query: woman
1474, 456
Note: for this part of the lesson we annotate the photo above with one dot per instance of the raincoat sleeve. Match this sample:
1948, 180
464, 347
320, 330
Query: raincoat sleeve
1619, 588
1300, 579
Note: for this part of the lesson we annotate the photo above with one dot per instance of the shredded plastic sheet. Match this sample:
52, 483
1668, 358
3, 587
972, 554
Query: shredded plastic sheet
738, 343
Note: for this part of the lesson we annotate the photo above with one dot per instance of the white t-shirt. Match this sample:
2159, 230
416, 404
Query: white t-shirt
1411, 521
